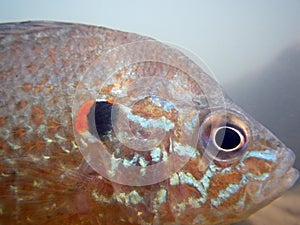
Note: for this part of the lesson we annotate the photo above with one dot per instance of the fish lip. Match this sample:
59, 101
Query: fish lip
286, 163
285, 175
291, 172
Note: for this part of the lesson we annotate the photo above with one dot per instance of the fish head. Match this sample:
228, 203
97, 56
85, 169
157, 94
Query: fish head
159, 119
239, 146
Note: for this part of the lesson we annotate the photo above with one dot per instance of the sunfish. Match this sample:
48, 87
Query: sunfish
99, 126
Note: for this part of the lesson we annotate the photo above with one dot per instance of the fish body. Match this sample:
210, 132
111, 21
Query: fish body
99, 126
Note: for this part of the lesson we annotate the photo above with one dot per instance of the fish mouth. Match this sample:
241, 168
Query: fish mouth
284, 176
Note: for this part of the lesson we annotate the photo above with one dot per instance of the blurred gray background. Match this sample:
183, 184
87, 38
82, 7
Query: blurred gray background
253, 47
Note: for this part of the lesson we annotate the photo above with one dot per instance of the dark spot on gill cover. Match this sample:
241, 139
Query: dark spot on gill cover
99, 119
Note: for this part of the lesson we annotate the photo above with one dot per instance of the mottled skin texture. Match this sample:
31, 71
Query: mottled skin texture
45, 180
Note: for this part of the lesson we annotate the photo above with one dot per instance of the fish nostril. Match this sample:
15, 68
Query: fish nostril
228, 138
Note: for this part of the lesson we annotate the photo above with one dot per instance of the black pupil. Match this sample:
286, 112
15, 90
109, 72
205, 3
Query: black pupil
227, 138
99, 119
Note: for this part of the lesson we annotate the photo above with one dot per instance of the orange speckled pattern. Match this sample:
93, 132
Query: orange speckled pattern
44, 178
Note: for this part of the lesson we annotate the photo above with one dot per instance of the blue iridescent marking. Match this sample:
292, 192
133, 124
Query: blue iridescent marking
187, 151
261, 177
155, 154
162, 103
228, 192
225, 194
191, 124
127, 163
241, 202
269, 155
201, 185
162, 123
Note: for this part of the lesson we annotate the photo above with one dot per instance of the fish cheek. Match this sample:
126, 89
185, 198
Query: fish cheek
258, 167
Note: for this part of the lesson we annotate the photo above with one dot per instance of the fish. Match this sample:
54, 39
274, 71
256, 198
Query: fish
100, 126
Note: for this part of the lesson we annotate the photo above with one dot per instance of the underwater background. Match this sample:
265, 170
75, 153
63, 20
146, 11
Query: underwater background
252, 47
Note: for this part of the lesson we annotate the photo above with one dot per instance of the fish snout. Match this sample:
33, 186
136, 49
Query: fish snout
283, 177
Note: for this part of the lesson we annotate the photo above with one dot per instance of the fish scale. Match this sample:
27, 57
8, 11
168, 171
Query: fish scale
49, 69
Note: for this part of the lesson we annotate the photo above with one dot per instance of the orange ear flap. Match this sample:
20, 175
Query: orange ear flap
81, 121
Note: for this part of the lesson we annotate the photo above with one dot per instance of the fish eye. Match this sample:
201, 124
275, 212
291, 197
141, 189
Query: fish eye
227, 138
224, 136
